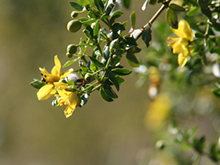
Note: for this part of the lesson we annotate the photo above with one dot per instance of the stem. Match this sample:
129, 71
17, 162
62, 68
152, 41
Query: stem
95, 83
98, 86
164, 6
106, 67
197, 159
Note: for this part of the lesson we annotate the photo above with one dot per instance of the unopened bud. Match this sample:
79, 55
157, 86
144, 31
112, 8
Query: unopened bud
74, 25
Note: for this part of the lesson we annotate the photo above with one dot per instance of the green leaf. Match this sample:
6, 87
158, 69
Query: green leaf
133, 19
176, 7
99, 4
115, 15
121, 72
92, 67
171, 18
120, 80
114, 81
76, 6
96, 62
83, 2
216, 92
146, 36
87, 33
91, 15
203, 4
109, 92
198, 144
96, 28
214, 153
127, 3
37, 83
207, 12
193, 11
104, 96
132, 60
109, 9
68, 63
199, 35
152, 2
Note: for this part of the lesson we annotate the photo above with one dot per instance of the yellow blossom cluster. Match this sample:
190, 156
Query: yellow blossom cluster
54, 87
181, 45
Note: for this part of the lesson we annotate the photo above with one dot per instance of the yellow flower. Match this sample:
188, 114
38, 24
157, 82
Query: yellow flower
158, 112
69, 98
180, 45
48, 90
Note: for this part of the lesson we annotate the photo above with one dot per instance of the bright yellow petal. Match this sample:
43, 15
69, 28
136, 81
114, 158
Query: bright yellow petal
181, 46
68, 111
65, 74
182, 60
183, 30
56, 69
45, 92
74, 99
44, 71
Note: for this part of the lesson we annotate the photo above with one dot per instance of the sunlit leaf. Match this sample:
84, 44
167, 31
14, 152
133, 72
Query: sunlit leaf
68, 63
193, 11
96, 28
133, 19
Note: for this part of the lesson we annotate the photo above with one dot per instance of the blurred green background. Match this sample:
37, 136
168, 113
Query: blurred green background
33, 132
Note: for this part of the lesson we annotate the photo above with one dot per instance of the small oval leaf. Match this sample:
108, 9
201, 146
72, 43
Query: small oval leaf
171, 18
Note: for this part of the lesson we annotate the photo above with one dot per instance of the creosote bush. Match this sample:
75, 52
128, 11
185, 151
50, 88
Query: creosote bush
197, 46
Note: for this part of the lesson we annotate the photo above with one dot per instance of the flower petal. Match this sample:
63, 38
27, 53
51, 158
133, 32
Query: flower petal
45, 92
182, 59
56, 69
184, 30
68, 111
44, 71
181, 46
65, 74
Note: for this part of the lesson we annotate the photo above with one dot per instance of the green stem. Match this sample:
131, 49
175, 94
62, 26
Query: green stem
197, 159
106, 67
92, 85
97, 87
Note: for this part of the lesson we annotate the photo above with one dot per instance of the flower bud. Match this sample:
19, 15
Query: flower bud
71, 48
74, 14
69, 55
160, 145
73, 26
88, 77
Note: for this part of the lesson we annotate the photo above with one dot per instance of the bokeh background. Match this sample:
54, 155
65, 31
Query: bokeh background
33, 132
